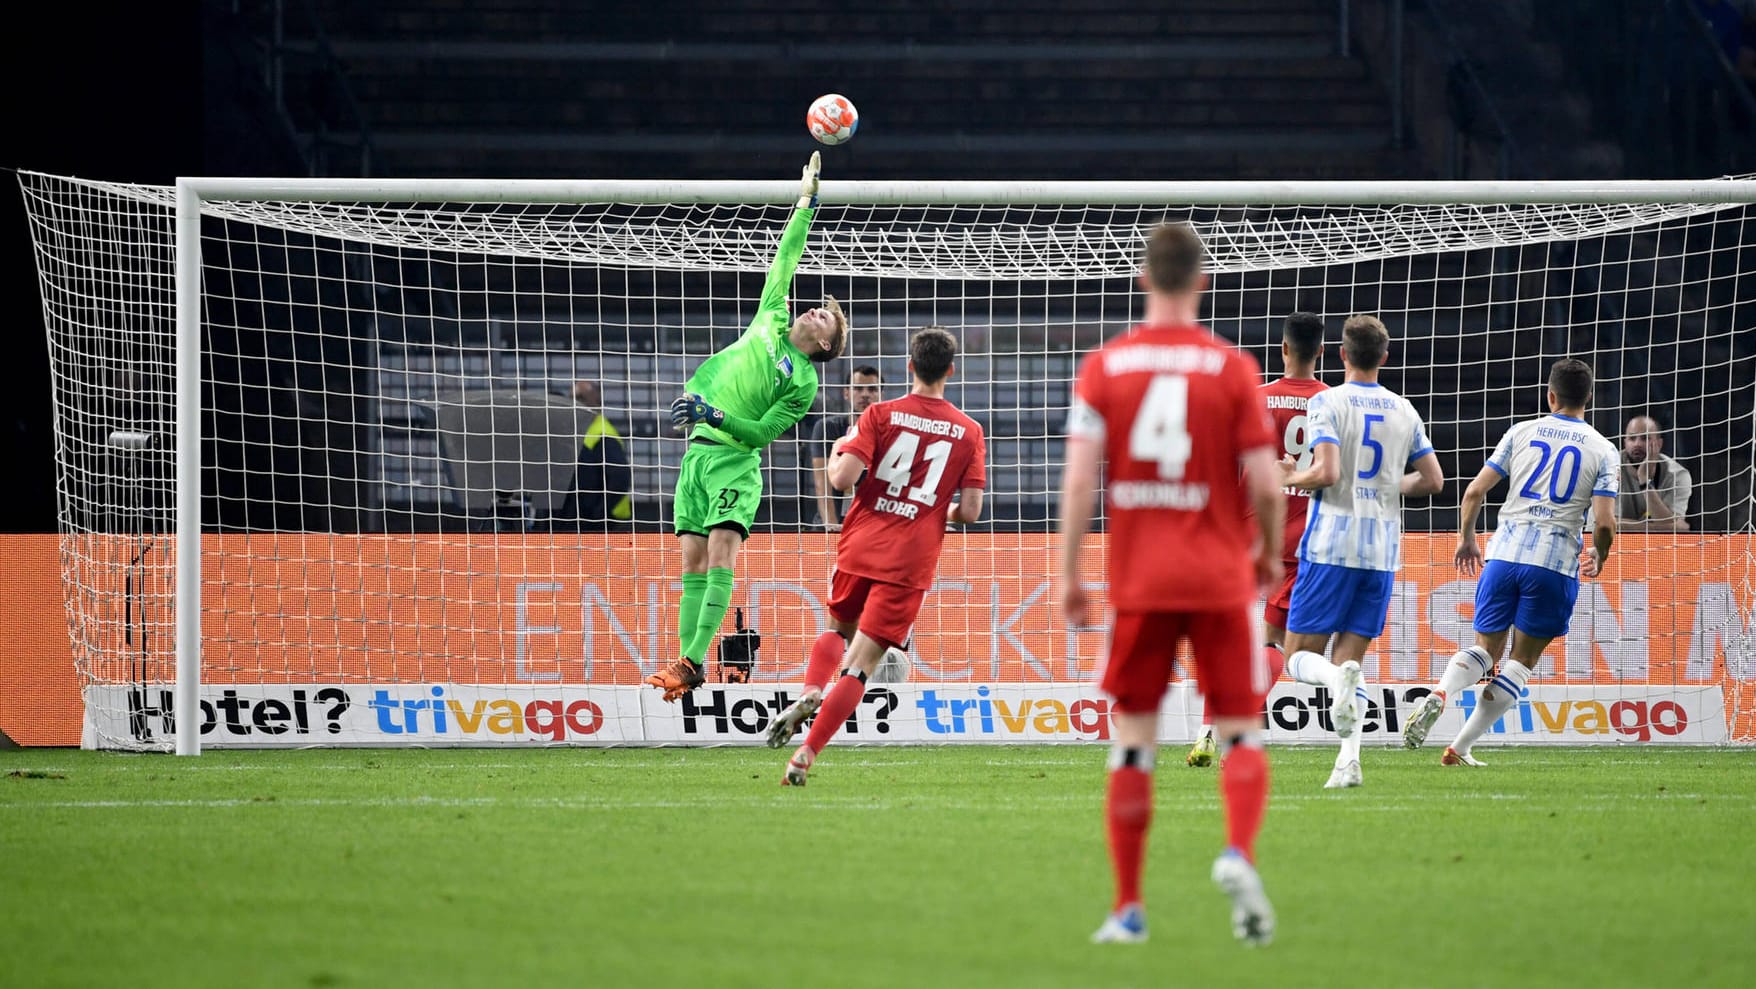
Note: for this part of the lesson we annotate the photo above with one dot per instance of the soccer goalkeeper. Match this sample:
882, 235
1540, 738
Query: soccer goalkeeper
738, 402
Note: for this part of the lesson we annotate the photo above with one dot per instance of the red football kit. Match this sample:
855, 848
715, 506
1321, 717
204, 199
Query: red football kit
1286, 401
1175, 409
918, 453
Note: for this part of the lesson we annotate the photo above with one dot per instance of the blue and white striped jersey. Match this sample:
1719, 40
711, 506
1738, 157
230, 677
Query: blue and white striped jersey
1555, 464
1357, 521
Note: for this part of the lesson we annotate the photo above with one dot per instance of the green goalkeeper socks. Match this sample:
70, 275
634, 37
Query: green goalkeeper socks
715, 599
689, 612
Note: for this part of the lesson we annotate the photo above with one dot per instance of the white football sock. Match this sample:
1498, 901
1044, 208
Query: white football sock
1308, 667
1350, 746
1464, 669
1495, 700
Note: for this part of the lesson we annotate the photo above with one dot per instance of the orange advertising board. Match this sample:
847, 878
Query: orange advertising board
39, 690
304, 607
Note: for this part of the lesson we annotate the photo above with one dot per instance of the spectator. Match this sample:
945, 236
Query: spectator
862, 390
1655, 488
602, 480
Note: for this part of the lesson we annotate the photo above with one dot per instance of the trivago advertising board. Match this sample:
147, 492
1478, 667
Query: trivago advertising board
1671, 617
449, 714
602, 610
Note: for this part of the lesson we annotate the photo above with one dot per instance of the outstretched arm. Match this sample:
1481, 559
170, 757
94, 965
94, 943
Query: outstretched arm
780, 417
792, 240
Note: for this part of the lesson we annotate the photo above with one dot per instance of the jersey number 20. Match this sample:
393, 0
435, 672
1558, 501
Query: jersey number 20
898, 465
1161, 426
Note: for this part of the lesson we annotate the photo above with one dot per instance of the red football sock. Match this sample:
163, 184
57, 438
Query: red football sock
837, 705
1243, 784
1276, 660
1128, 813
826, 654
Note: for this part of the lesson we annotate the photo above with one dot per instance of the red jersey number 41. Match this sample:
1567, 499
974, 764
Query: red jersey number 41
898, 465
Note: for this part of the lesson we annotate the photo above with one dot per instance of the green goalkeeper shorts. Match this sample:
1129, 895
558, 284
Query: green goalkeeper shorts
718, 489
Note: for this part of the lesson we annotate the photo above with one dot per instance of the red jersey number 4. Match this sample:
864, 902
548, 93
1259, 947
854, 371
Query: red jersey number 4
1176, 408
1161, 426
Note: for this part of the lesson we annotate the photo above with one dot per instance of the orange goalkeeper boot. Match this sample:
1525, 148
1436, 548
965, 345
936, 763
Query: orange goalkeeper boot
677, 679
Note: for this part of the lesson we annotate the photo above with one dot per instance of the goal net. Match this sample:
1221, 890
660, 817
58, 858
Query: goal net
414, 526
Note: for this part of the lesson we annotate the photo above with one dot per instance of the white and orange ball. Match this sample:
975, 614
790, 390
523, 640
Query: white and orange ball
832, 119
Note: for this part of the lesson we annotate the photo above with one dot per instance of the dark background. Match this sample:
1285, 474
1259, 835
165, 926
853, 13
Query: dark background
106, 91
146, 92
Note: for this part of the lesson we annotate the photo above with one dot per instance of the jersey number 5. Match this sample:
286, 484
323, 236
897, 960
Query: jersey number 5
898, 465
1161, 426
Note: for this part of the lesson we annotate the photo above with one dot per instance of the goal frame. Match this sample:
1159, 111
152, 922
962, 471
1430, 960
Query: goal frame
193, 192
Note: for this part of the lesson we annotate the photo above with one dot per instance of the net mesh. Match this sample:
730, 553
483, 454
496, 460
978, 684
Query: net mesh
412, 522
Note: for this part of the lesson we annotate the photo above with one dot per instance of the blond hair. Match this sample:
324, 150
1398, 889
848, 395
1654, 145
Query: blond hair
1365, 341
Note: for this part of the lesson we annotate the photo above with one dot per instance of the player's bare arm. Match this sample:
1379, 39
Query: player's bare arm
820, 488
1262, 473
844, 470
1469, 555
1078, 490
1325, 469
1603, 534
1427, 477
968, 508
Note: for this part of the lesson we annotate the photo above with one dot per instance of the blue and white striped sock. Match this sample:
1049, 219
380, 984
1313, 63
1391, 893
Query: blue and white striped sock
1311, 668
1497, 698
1350, 746
1464, 669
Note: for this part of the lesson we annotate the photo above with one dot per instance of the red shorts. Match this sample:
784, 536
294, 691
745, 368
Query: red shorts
884, 611
1275, 611
1227, 646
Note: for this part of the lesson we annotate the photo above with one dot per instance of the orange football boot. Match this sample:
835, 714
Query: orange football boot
677, 679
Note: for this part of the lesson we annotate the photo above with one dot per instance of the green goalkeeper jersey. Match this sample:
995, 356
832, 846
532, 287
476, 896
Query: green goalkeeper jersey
762, 382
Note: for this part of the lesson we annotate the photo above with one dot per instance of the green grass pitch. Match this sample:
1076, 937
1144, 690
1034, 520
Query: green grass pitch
896, 867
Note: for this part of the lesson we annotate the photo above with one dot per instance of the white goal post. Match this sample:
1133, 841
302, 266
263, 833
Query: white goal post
1486, 283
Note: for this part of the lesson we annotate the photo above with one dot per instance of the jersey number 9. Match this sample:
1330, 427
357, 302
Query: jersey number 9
1297, 441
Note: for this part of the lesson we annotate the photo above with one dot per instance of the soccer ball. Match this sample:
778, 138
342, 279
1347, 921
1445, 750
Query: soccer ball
832, 119
893, 668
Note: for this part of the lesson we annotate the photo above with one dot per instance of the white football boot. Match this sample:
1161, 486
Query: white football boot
787, 723
798, 767
1452, 757
1252, 915
1125, 926
1420, 720
1345, 776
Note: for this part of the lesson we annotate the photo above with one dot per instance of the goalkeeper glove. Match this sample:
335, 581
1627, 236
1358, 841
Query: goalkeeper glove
808, 182
691, 409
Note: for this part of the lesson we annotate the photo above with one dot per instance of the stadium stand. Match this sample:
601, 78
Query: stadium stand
1178, 89
1184, 88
